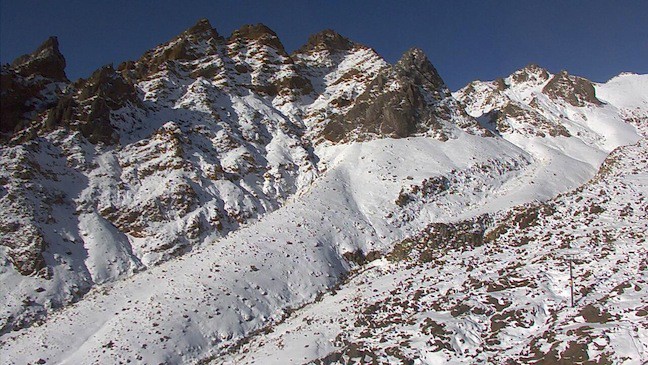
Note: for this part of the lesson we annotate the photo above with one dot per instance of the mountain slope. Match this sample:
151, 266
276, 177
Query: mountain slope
494, 289
169, 208
206, 301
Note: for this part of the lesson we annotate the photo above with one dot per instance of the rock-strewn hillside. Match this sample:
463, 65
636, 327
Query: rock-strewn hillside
495, 288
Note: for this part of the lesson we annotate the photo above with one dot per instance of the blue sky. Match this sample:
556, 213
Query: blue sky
465, 40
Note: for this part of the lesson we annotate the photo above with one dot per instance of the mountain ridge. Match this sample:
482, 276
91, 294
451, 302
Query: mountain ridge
213, 157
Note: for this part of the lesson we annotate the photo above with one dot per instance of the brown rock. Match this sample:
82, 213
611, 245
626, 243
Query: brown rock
22, 93
327, 40
575, 90
530, 73
46, 61
259, 33
399, 112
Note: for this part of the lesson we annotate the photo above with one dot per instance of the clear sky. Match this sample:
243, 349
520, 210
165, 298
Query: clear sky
465, 40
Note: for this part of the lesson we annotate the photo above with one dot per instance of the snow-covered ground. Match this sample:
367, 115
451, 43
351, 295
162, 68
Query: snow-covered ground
197, 305
503, 299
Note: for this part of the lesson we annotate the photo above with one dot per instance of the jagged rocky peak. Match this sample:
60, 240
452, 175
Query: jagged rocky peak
406, 99
531, 73
110, 85
199, 40
31, 84
88, 109
327, 40
257, 33
202, 29
575, 90
415, 66
46, 61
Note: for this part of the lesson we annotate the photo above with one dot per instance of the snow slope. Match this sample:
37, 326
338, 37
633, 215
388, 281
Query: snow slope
197, 305
500, 298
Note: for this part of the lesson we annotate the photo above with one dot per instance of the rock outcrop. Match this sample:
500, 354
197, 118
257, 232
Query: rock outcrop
46, 61
410, 98
575, 90
530, 102
30, 85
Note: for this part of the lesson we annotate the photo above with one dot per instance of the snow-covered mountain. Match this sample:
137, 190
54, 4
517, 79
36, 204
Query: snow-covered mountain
205, 200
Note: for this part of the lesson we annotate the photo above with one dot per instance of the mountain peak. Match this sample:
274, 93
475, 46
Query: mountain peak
416, 65
327, 39
415, 57
257, 32
202, 27
46, 61
532, 73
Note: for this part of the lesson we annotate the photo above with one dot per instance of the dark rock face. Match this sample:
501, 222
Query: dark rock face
14, 95
47, 61
25, 85
260, 33
327, 40
109, 85
415, 68
202, 29
575, 90
396, 111
89, 110
500, 84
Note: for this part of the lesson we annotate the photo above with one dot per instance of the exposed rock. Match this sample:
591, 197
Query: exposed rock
47, 61
259, 55
259, 33
202, 29
109, 85
26, 85
575, 90
401, 101
26, 244
514, 117
500, 84
329, 40
200, 40
532, 73
530, 102
89, 109
416, 69
14, 96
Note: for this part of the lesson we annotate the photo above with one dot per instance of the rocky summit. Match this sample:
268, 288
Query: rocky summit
221, 200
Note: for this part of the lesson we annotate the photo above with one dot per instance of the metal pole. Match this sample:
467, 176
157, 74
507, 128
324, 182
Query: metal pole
571, 281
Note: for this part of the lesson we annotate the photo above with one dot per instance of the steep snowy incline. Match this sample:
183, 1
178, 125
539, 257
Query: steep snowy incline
494, 289
627, 92
141, 163
203, 302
